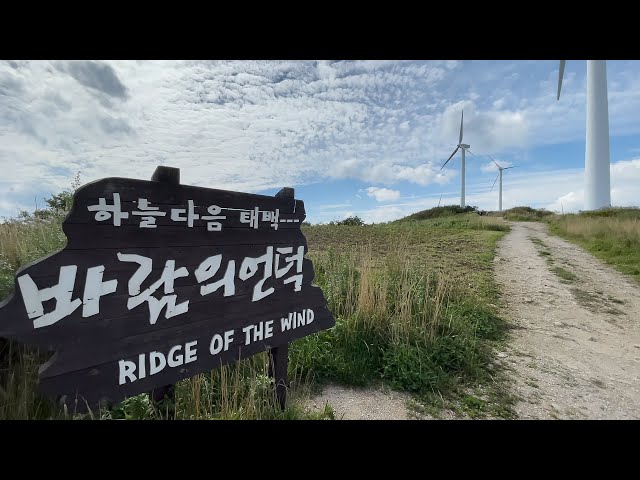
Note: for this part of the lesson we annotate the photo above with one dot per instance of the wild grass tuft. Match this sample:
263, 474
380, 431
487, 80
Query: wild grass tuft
396, 321
525, 214
414, 304
612, 235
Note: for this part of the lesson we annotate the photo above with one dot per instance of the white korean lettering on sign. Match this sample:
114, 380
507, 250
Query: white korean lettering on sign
148, 213
105, 212
169, 275
186, 216
276, 262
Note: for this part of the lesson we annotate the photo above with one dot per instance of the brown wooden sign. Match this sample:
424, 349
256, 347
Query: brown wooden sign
161, 281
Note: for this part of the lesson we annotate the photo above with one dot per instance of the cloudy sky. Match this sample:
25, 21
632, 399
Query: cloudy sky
363, 138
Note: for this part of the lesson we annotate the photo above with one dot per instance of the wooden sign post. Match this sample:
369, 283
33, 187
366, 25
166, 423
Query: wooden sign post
159, 282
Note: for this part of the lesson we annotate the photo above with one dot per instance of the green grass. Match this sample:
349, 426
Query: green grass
238, 391
615, 300
542, 250
524, 214
437, 212
538, 242
586, 299
532, 383
414, 303
564, 273
612, 235
23, 241
411, 302
596, 302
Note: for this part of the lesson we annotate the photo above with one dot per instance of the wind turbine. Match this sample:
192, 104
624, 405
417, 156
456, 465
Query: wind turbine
597, 184
465, 148
499, 175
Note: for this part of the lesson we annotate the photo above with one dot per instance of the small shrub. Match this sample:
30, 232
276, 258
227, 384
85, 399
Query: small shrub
357, 221
437, 212
525, 214
612, 235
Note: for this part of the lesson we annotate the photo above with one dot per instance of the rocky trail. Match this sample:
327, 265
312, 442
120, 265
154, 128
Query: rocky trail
574, 348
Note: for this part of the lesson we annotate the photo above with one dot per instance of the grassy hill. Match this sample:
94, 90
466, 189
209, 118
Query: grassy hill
524, 214
437, 212
415, 306
612, 235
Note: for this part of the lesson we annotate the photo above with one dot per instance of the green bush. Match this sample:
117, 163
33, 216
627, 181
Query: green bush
525, 214
436, 212
357, 221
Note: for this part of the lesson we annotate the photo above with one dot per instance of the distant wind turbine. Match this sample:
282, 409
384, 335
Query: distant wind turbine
499, 175
464, 148
597, 188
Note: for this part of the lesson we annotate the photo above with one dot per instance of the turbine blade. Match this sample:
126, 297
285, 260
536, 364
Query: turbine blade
493, 160
560, 75
461, 120
513, 166
494, 182
467, 150
454, 152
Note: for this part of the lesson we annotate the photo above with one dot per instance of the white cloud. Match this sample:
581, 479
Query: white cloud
334, 206
387, 172
491, 167
488, 130
571, 202
383, 194
256, 125
555, 190
626, 168
245, 125
625, 182
559, 190
382, 214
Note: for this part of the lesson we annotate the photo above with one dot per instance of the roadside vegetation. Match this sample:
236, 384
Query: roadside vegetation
524, 214
415, 306
612, 235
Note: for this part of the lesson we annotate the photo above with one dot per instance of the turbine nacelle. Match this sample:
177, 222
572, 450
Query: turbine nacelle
463, 146
501, 169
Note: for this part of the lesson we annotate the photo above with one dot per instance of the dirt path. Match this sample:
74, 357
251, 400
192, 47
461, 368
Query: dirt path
350, 403
575, 348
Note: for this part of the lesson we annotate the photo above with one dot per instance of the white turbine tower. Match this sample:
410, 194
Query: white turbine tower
464, 148
499, 175
597, 184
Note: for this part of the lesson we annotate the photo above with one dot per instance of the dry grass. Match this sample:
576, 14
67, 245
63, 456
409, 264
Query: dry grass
389, 295
627, 229
410, 301
19, 399
489, 223
412, 305
524, 214
241, 390
612, 235
22, 242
